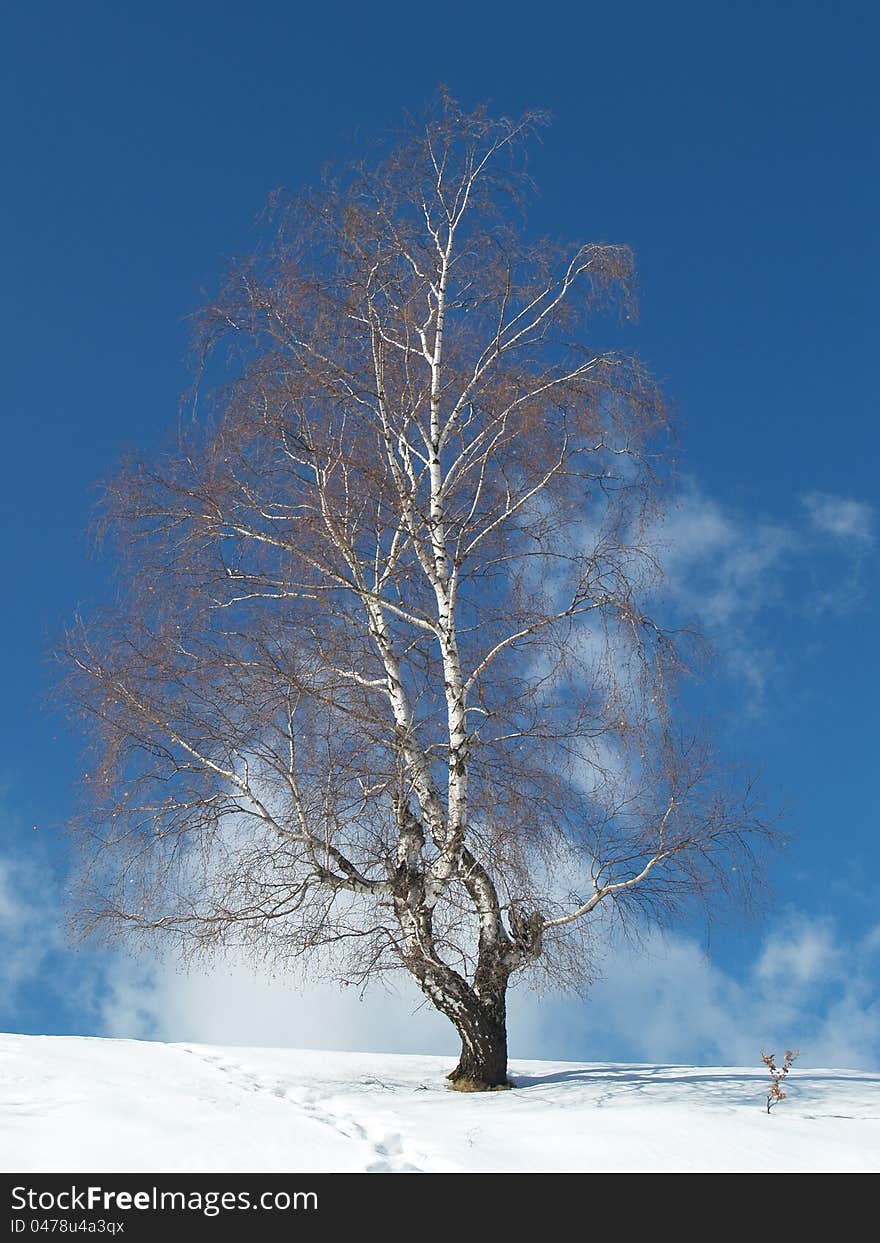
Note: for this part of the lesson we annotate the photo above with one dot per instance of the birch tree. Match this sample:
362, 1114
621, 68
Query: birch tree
383, 685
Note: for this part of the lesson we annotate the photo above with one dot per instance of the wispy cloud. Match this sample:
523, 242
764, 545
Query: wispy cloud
721, 565
735, 573
45, 984
27, 936
840, 516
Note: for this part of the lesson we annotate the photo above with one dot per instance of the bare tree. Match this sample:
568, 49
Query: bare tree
381, 676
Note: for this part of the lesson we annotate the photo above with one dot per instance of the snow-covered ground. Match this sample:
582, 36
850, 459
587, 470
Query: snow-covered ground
88, 1105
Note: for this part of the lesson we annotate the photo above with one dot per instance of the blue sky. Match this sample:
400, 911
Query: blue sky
734, 146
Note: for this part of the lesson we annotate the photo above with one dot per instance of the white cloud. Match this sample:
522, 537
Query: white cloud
27, 936
808, 986
718, 564
841, 516
663, 1000
235, 1002
803, 953
723, 570
734, 573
